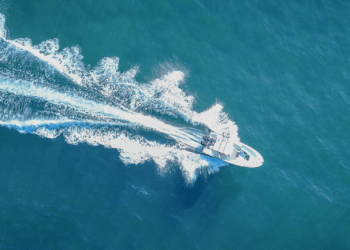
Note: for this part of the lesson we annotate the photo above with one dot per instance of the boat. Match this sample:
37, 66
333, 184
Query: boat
230, 150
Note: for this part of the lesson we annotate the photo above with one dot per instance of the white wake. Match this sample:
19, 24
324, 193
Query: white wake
102, 106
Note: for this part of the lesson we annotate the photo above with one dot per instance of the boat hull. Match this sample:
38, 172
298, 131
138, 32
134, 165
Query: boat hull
255, 159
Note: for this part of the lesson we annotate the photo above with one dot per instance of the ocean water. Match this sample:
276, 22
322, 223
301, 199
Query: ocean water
98, 99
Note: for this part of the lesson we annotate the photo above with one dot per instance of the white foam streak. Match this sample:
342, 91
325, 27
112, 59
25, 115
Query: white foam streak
35, 123
2, 26
27, 89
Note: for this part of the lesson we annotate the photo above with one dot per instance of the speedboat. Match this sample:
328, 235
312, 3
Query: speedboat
232, 151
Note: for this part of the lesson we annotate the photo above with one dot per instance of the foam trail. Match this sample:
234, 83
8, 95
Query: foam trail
3, 31
51, 55
133, 149
30, 126
25, 89
69, 63
100, 106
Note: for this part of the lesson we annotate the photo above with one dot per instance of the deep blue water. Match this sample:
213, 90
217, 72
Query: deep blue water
281, 71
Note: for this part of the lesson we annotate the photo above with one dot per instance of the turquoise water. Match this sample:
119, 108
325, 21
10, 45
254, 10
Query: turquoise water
71, 178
